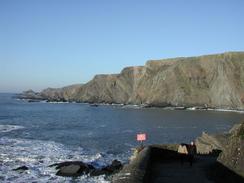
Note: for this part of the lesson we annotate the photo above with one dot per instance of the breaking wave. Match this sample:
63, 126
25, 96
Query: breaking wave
38, 155
9, 128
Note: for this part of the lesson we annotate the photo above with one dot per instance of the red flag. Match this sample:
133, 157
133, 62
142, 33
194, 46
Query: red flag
141, 137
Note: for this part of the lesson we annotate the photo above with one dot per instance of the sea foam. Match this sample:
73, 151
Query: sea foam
37, 155
9, 128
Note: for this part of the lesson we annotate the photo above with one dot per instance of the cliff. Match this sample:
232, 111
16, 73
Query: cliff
215, 81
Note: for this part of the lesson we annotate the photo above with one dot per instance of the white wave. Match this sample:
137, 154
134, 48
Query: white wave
227, 110
38, 155
9, 128
127, 131
177, 127
53, 102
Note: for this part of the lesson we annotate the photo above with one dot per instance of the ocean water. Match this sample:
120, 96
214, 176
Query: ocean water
39, 134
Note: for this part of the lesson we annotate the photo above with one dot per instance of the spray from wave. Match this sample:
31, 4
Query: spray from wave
9, 128
38, 155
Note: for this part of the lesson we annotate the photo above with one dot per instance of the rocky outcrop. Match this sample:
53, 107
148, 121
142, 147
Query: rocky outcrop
30, 94
214, 81
78, 168
68, 93
21, 169
230, 144
207, 143
233, 153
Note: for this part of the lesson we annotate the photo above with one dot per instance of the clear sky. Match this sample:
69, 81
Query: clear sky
60, 42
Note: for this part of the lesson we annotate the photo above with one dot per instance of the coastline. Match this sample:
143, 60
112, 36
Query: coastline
135, 106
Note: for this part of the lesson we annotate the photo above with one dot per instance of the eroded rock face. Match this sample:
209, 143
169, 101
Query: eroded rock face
207, 143
233, 154
215, 81
68, 93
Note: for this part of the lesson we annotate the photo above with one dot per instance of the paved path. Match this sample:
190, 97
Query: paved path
174, 172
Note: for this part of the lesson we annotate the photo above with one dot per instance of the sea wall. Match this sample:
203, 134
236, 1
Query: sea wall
138, 170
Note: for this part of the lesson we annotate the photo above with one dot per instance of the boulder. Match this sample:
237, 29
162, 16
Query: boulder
21, 168
77, 168
208, 143
107, 170
72, 168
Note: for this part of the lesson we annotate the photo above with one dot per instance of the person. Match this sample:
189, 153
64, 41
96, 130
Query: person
192, 150
182, 150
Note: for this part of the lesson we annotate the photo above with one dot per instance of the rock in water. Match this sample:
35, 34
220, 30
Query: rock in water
116, 165
108, 170
21, 168
72, 168
77, 168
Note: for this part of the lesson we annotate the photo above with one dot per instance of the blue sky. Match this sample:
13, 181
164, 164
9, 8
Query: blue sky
60, 42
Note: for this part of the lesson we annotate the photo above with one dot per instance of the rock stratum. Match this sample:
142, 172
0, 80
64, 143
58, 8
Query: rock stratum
214, 81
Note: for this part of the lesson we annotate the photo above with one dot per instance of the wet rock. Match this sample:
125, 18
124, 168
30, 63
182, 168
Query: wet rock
110, 169
72, 168
21, 168
77, 168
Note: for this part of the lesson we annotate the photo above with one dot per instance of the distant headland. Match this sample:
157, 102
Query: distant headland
210, 81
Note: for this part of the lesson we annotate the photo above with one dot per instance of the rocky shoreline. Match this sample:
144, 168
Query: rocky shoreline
141, 106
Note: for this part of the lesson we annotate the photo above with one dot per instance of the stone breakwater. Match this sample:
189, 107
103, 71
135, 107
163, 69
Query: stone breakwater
210, 81
220, 158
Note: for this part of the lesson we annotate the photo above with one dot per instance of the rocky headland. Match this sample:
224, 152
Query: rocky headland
210, 81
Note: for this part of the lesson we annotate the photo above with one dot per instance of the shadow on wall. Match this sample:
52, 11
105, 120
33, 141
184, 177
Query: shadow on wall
214, 170
140, 170
221, 174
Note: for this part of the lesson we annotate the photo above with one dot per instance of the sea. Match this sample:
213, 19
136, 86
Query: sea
38, 134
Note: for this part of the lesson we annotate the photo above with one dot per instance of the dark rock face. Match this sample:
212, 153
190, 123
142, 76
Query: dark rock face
72, 168
215, 81
231, 146
29, 94
77, 168
21, 168
110, 169
233, 154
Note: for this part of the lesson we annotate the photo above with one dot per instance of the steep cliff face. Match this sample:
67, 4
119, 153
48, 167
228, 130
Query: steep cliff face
213, 81
205, 81
116, 88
